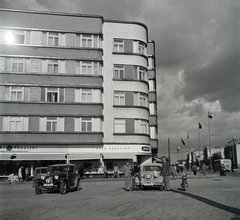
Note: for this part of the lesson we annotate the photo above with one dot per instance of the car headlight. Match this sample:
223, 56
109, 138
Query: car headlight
148, 176
42, 177
155, 174
142, 175
56, 177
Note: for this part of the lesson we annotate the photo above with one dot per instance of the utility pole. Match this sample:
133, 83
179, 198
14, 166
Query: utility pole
169, 151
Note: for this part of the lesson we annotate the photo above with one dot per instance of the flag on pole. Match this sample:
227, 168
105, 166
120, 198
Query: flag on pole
210, 115
199, 126
188, 135
178, 149
183, 142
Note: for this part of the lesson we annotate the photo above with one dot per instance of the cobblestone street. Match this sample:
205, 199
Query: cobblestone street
209, 197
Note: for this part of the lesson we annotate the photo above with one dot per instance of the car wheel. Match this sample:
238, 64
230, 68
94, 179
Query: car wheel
38, 188
78, 187
161, 188
63, 187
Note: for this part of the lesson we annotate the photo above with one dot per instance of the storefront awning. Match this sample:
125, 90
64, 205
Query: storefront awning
36, 156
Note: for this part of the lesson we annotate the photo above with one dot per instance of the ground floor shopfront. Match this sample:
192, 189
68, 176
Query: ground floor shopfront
91, 158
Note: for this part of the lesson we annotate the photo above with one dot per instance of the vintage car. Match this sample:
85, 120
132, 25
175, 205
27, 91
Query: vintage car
151, 176
61, 177
38, 172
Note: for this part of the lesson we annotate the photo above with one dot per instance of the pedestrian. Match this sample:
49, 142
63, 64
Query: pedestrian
20, 170
115, 171
173, 172
194, 169
166, 174
26, 174
105, 172
81, 172
127, 171
204, 169
135, 174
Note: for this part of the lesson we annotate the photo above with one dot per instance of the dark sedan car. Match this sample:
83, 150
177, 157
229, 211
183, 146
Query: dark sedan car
61, 177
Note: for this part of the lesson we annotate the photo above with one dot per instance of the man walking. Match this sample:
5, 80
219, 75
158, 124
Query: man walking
127, 176
166, 174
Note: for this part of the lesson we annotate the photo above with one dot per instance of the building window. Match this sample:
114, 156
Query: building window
15, 124
119, 126
86, 124
141, 47
52, 95
119, 72
51, 124
86, 41
53, 66
15, 37
118, 45
141, 126
119, 98
142, 75
16, 93
86, 95
87, 68
18, 65
53, 39
140, 99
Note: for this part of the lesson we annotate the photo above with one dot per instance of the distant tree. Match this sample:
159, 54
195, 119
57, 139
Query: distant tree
216, 156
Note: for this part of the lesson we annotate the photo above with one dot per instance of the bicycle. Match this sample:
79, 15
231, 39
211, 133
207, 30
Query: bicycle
12, 179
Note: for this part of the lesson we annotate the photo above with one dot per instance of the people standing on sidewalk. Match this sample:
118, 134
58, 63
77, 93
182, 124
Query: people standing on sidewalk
194, 169
135, 174
105, 172
115, 171
204, 169
127, 171
20, 171
166, 174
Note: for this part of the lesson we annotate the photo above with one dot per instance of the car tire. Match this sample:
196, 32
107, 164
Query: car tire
78, 187
38, 188
161, 188
63, 188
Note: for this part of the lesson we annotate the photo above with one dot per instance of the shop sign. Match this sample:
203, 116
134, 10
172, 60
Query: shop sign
146, 148
17, 148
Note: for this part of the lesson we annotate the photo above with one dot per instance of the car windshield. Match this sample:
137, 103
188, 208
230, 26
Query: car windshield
151, 168
40, 171
57, 169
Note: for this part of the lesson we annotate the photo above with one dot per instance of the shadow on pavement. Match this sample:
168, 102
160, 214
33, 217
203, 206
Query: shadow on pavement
210, 202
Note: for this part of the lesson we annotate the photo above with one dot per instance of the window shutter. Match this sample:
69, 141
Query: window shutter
61, 124
96, 95
76, 124
25, 123
61, 95
9, 63
42, 124
63, 40
96, 124
77, 95
62, 65
43, 94
44, 66
5, 123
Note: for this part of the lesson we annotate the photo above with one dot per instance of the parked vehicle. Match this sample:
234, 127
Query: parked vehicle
184, 184
38, 172
151, 176
227, 163
60, 177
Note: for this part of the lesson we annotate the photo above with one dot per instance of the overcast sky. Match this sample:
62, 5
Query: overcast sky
197, 51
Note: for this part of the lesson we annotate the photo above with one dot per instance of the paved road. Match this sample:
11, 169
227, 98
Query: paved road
209, 197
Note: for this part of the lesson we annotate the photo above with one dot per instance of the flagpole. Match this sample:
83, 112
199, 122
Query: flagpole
189, 158
198, 146
210, 143
169, 151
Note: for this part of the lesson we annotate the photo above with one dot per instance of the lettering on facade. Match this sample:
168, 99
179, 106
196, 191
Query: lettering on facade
12, 148
145, 148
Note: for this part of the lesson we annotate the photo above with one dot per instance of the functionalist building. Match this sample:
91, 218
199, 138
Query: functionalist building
76, 87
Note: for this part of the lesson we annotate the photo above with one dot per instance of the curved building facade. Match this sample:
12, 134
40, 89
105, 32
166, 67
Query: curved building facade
75, 87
